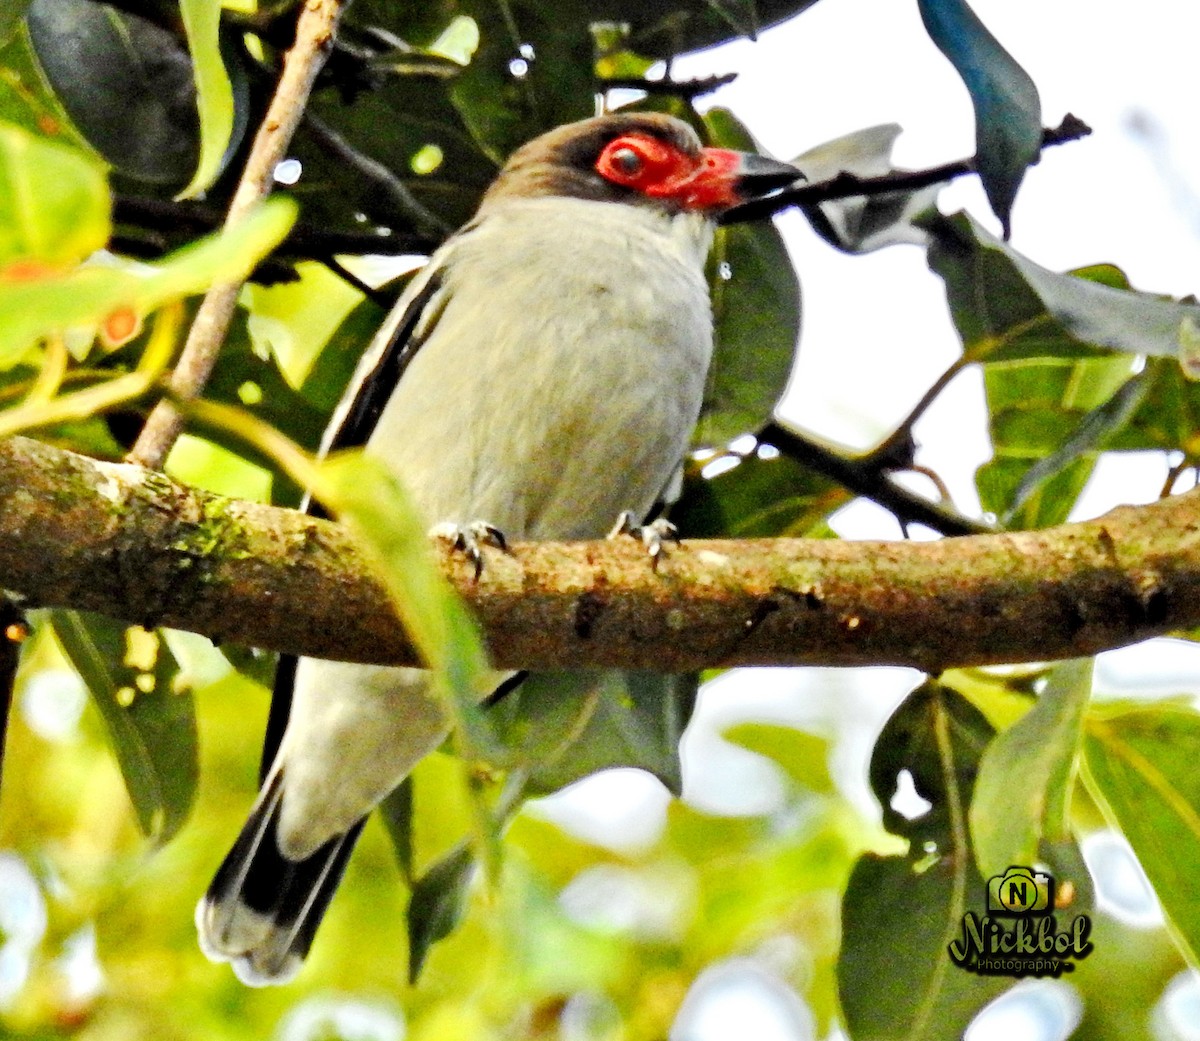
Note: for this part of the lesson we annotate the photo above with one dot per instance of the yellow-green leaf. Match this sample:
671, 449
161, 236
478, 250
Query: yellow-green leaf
214, 94
85, 296
54, 203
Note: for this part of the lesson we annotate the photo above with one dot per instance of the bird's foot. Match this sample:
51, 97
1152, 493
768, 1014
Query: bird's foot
469, 539
654, 536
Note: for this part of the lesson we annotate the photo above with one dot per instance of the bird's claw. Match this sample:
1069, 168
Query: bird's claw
469, 539
654, 536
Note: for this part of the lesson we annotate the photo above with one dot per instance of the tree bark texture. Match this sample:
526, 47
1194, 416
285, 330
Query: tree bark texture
133, 544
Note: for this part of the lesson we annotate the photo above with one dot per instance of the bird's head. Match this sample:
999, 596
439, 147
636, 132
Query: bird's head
640, 158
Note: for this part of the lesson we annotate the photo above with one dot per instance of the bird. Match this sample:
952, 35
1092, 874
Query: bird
540, 377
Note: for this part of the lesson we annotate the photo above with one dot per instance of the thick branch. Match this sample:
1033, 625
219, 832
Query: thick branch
132, 543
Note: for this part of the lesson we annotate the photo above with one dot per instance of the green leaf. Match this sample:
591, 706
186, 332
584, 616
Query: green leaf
507, 95
129, 673
757, 498
913, 905
912, 740
896, 980
368, 498
1140, 766
54, 202
562, 726
396, 812
1005, 306
437, 904
1022, 794
126, 83
1008, 112
26, 98
214, 94
742, 15
756, 316
803, 757
10, 17
83, 297
1048, 420
861, 224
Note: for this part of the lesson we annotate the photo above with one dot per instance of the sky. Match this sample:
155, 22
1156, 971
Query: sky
876, 334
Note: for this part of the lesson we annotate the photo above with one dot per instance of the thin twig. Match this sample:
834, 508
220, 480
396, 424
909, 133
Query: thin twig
686, 89
848, 185
314, 38
864, 476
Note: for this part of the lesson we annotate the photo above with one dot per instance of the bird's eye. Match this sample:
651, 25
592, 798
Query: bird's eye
627, 161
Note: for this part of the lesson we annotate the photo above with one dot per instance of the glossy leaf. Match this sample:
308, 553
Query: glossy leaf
1008, 112
54, 204
563, 726
899, 913
152, 726
1141, 767
861, 224
126, 83
1048, 420
756, 316
214, 94
1022, 794
85, 296
937, 737
896, 980
757, 498
368, 498
1005, 306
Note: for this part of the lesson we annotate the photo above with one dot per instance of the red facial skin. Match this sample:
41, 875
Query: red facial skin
655, 168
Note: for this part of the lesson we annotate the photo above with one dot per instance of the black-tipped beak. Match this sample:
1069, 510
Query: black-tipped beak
758, 174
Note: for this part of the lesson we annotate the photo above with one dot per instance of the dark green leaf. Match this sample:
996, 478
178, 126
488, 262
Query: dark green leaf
742, 15
152, 726
532, 71
756, 318
1022, 793
330, 374
1141, 767
900, 913
437, 904
864, 223
895, 976
912, 741
1008, 113
126, 82
1005, 306
758, 498
396, 812
565, 725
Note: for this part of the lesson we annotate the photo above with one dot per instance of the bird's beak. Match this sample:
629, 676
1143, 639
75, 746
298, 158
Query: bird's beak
726, 178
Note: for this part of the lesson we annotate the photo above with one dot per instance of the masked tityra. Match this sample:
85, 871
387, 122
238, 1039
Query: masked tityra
542, 373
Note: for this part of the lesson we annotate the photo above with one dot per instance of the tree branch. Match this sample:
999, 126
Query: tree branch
133, 544
314, 38
847, 185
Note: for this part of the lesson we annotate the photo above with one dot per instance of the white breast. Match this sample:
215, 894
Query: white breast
564, 373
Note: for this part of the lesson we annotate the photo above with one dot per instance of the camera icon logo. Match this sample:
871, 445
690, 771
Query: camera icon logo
1020, 891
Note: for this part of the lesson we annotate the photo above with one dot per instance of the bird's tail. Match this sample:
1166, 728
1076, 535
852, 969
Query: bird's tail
262, 910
